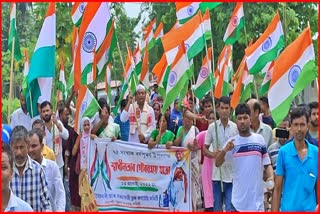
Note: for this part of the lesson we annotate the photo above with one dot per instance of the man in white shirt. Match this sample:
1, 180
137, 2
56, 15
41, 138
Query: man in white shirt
256, 125
140, 115
217, 135
21, 115
56, 126
249, 156
51, 169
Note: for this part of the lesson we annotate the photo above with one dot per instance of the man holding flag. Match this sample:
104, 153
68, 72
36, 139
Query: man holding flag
140, 115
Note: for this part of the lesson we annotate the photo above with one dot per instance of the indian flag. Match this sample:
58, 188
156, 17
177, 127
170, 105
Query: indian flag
62, 85
13, 35
104, 54
294, 70
25, 72
129, 66
156, 36
235, 25
205, 78
267, 47
108, 82
266, 80
148, 36
92, 33
77, 12
191, 33
129, 74
177, 77
137, 58
224, 69
159, 70
186, 10
123, 94
87, 106
42, 66
244, 86
206, 23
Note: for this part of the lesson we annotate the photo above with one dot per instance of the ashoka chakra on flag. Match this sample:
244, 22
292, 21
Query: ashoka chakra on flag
89, 42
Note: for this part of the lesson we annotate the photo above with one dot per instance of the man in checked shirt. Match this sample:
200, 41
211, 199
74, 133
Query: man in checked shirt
28, 182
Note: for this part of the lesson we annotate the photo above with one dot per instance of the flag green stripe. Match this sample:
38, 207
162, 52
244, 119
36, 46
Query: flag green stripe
196, 48
225, 89
210, 5
13, 33
121, 97
84, 74
264, 88
34, 89
43, 58
246, 93
138, 188
235, 35
203, 89
267, 57
91, 109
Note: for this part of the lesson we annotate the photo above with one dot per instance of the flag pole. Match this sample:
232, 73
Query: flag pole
11, 79
212, 94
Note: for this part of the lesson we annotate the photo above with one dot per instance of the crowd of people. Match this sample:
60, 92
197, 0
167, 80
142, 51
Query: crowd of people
246, 161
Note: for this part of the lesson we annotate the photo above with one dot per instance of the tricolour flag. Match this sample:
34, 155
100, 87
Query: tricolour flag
244, 85
159, 70
13, 35
266, 80
77, 12
25, 73
104, 54
224, 70
129, 75
235, 25
42, 66
205, 79
87, 106
206, 23
186, 10
123, 94
62, 85
92, 33
137, 59
191, 33
158, 33
267, 47
148, 36
293, 71
177, 77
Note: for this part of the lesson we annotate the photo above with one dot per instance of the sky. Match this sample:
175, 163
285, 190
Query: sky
132, 9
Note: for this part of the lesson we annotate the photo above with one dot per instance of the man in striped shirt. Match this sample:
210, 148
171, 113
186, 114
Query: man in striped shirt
29, 181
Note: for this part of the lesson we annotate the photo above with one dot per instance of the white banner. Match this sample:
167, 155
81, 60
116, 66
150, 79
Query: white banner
130, 177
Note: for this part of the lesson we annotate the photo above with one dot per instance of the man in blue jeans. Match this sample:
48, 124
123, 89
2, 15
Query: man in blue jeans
217, 135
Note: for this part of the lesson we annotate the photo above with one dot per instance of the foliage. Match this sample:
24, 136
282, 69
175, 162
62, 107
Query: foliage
14, 105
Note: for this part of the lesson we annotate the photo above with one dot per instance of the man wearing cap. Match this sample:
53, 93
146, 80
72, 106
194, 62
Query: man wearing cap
140, 115
21, 115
